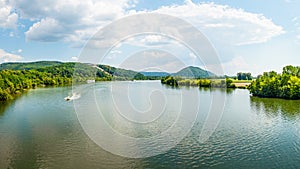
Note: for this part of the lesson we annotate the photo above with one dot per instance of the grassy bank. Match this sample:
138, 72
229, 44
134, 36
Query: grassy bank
214, 83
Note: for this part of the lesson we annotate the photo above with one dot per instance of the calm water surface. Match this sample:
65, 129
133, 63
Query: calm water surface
41, 130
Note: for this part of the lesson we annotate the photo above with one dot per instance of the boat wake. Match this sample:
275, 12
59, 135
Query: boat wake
73, 97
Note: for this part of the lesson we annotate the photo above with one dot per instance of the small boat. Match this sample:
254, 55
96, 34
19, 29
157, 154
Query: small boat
73, 97
90, 81
67, 98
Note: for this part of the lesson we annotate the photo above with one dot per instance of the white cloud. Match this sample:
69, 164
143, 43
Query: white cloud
152, 39
76, 21
8, 18
115, 52
8, 57
222, 22
296, 22
70, 21
192, 55
47, 30
152, 59
239, 64
74, 58
20, 51
289, 1
11, 34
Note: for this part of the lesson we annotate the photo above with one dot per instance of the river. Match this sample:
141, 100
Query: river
41, 130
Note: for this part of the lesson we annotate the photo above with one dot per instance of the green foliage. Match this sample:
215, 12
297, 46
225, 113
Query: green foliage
169, 80
229, 83
122, 74
15, 81
4, 95
271, 84
193, 72
216, 83
28, 65
244, 76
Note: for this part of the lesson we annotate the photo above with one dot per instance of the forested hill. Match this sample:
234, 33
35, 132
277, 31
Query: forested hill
28, 65
194, 72
17, 77
67, 69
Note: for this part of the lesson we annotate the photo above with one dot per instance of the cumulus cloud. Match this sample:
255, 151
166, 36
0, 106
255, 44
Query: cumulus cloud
153, 59
47, 30
152, 39
8, 18
76, 21
222, 22
69, 21
8, 57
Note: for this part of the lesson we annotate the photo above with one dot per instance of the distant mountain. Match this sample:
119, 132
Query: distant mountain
155, 74
119, 73
193, 72
28, 65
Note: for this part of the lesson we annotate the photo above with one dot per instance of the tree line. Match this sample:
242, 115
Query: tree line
178, 81
271, 84
17, 77
244, 76
14, 82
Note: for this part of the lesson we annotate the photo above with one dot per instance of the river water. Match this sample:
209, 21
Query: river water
42, 130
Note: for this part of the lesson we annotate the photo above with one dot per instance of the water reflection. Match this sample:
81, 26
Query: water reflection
3, 107
274, 107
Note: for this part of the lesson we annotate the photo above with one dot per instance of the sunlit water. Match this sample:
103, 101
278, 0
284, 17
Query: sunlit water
41, 130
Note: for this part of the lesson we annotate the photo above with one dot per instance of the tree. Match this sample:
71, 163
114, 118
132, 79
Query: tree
271, 84
244, 76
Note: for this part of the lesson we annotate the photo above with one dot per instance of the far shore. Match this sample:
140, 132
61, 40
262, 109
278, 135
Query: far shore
241, 85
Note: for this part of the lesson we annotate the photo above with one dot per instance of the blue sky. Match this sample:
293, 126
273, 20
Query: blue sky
248, 35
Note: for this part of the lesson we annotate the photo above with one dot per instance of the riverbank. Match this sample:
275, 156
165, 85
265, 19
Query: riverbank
214, 83
274, 85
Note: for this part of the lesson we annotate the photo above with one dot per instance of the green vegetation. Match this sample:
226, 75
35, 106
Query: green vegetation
122, 74
271, 84
14, 82
241, 81
169, 80
28, 65
18, 77
194, 72
244, 76
214, 83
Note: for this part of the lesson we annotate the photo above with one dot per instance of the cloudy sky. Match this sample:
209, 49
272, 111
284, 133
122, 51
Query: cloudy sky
248, 35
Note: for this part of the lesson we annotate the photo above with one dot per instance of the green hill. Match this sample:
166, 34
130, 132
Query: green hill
28, 65
193, 72
17, 77
122, 74
82, 71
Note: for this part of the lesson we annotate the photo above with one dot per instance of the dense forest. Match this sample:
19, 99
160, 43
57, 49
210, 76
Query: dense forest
271, 84
244, 76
